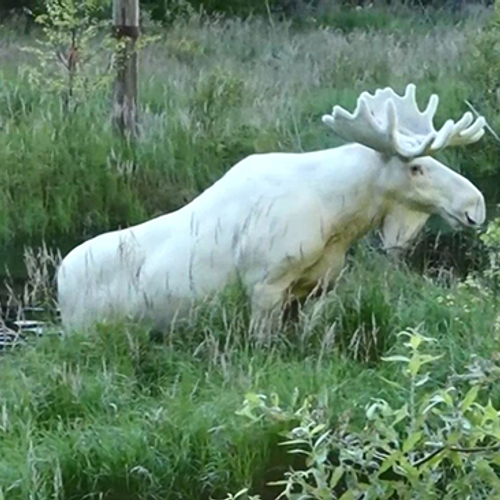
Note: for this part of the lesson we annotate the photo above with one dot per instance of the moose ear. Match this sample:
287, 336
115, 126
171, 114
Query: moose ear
400, 226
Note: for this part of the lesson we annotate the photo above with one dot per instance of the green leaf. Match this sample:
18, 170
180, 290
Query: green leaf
469, 398
240, 493
254, 399
387, 463
421, 359
247, 412
414, 364
411, 441
487, 474
491, 413
320, 441
422, 380
294, 441
415, 341
427, 358
336, 476
348, 495
321, 456
411, 471
280, 482
400, 414
454, 437
456, 459
298, 452
396, 358
392, 383
317, 429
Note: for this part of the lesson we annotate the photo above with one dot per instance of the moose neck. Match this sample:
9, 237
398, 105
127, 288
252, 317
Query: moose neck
357, 184
351, 186
399, 220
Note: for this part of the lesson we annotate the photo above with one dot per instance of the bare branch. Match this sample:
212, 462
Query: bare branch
457, 449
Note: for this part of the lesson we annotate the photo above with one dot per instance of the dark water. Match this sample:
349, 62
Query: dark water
13, 271
22, 320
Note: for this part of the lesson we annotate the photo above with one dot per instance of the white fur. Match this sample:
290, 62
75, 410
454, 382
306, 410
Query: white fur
280, 223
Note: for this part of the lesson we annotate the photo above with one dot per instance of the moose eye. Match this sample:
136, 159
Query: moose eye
416, 169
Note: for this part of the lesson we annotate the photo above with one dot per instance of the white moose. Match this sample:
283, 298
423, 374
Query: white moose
281, 223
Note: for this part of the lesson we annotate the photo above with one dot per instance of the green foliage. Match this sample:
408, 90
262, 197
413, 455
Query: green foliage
212, 92
487, 57
168, 10
68, 51
491, 238
364, 19
485, 71
375, 298
441, 443
235, 7
113, 415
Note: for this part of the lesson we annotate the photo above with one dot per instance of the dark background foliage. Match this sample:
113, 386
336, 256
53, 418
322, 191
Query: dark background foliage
159, 9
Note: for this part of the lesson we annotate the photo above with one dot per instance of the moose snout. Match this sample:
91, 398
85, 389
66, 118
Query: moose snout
475, 214
470, 220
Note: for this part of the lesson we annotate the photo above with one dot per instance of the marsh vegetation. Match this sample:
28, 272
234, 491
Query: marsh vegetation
113, 415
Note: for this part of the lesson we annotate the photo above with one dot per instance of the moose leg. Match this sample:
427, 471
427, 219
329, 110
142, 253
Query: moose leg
267, 302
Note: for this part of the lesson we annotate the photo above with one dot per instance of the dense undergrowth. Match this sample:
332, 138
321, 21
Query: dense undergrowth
212, 92
114, 415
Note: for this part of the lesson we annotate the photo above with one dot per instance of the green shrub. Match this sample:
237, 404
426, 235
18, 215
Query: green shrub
348, 20
440, 443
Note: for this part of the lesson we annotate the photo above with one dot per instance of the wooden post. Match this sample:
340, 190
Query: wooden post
126, 26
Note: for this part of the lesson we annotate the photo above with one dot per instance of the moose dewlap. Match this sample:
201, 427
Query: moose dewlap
280, 223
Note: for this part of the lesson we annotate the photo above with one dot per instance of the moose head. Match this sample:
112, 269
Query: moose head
416, 184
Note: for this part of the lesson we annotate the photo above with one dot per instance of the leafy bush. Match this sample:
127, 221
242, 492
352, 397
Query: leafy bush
167, 10
66, 54
112, 415
486, 61
364, 19
440, 443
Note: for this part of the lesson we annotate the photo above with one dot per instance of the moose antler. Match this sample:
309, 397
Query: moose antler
393, 124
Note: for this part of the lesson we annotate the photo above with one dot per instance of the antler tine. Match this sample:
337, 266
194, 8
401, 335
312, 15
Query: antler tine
460, 133
417, 131
362, 125
441, 138
432, 105
386, 122
394, 124
470, 134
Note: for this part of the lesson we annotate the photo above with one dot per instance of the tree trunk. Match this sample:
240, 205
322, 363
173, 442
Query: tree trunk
126, 26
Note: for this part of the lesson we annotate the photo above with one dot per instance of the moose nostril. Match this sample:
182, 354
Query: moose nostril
472, 222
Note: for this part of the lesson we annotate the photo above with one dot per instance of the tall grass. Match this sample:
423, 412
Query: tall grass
115, 415
212, 92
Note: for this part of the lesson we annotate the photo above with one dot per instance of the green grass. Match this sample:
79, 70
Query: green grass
212, 92
114, 415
